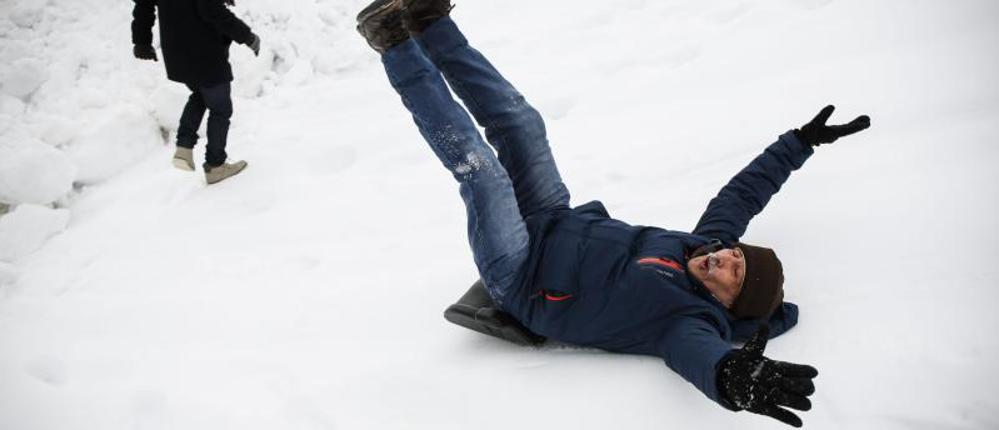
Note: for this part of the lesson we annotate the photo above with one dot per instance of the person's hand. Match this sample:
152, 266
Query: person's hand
817, 132
760, 385
254, 44
230, 2
144, 52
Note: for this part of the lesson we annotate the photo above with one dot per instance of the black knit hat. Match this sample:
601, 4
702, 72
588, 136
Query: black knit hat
763, 289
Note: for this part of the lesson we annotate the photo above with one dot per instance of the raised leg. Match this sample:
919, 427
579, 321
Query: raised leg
496, 231
512, 126
219, 102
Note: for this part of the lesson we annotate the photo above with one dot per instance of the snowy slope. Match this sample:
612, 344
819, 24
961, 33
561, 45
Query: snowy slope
307, 293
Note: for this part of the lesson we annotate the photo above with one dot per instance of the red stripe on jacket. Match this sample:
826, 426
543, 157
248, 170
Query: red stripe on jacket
557, 298
662, 262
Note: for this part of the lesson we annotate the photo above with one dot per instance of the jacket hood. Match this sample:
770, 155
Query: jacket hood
783, 318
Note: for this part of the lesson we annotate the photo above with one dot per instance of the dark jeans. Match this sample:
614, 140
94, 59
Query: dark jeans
498, 191
218, 101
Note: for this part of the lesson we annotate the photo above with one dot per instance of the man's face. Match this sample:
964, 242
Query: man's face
722, 273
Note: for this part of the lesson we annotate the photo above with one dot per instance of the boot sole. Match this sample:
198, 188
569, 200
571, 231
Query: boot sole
373, 9
182, 165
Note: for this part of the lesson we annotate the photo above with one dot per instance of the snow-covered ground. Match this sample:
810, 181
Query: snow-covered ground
307, 293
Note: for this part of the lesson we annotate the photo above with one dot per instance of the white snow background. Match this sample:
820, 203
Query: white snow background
307, 292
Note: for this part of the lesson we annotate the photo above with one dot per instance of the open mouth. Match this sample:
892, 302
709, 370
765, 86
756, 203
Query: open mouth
710, 263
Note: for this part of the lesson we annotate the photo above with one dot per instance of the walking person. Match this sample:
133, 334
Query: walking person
195, 36
576, 274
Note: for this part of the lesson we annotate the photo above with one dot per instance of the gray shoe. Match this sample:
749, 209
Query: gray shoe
218, 173
183, 159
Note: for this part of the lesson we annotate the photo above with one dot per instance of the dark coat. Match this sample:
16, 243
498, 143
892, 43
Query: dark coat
595, 281
195, 36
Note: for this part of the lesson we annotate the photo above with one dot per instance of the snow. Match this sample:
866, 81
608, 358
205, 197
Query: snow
34, 173
27, 227
118, 140
307, 292
24, 77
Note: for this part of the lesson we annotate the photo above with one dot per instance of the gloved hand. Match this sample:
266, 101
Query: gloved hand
760, 385
144, 52
817, 132
254, 44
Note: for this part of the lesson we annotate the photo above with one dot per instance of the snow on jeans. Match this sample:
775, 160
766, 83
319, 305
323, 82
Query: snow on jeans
498, 191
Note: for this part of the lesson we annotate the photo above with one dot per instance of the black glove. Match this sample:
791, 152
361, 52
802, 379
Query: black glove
760, 385
144, 52
230, 2
817, 132
254, 43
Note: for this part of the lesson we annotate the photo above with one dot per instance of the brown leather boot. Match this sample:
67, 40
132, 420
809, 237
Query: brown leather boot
381, 24
219, 173
419, 14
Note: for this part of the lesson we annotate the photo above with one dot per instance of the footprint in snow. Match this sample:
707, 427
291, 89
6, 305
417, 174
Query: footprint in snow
332, 159
302, 264
557, 107
149, 410
729, 14
49, 370
615, 177
679, 56
811, 4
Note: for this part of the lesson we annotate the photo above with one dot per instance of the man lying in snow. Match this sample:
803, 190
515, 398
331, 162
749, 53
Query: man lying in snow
575, 274
195, 36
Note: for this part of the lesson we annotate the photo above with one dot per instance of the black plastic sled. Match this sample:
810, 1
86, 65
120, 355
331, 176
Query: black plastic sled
475, 310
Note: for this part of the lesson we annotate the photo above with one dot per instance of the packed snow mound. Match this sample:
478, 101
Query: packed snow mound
118, 140
77, 108
27, 227
23, 77
32, 172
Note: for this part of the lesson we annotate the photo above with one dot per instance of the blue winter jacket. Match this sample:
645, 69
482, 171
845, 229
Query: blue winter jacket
595, 281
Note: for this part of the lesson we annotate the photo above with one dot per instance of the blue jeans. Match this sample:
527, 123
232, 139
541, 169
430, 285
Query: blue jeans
499, 189
218, 101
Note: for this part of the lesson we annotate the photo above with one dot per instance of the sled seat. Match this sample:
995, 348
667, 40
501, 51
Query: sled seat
475, 310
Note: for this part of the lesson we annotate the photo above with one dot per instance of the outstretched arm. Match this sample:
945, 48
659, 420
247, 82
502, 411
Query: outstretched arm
746, 194
729, 213
218, 15
693, 348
